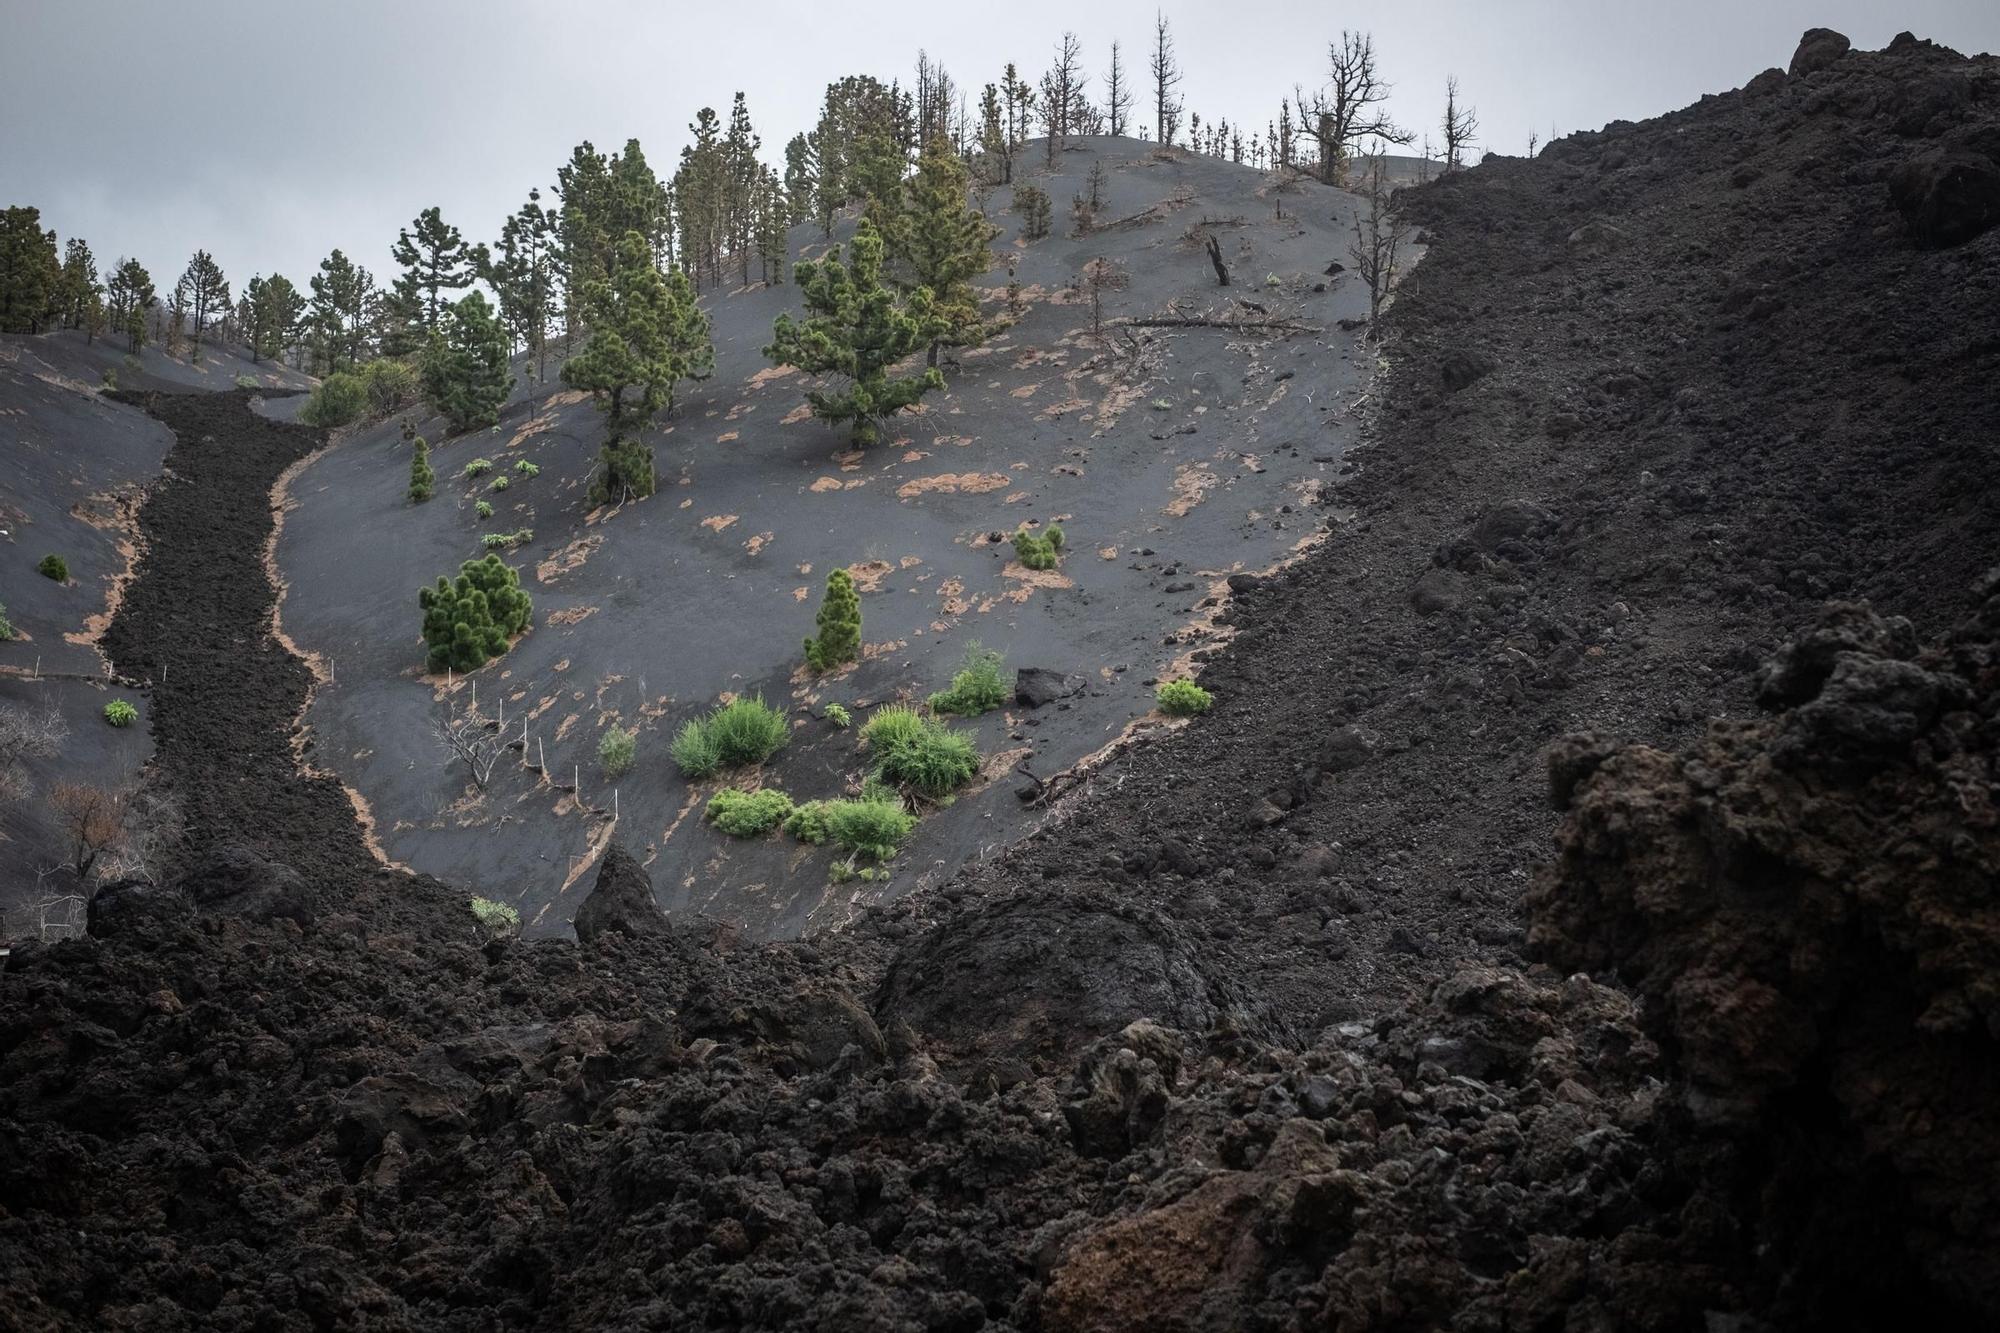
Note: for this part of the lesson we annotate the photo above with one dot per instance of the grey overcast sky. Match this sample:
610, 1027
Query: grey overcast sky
271, 131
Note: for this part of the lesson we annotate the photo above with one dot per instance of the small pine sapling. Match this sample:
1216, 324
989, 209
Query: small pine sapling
423, 480
839, 623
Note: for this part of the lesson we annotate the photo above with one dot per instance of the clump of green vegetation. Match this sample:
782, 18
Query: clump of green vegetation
920, 753
695, 752
498, 919
505, 541
839, 716
839, 623
976, 688
809, 823
483, 508
1183, 698
749, 814
743, 731
246, 381
869, 828
470, 619
423, 481
1039, 550
110, 380
624, 472
478, 467
616, 750
500, 483
389, 384
526, 469
337, 400
1032, 203
54, 567
6, 625
120, 713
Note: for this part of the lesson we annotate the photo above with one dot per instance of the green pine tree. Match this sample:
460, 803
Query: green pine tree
204, 292
81, 293
942, 242
624, 472
839, 623
436, 262
647, 335
856, 330
423, 481
30, 272
128, 296
470, 619
465, 366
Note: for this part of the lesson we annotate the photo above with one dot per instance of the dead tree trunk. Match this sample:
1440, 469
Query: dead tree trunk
1215, 258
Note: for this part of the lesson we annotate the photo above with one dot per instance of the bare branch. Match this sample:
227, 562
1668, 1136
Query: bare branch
466, 740
1376, 237
1349, 109
1461, 123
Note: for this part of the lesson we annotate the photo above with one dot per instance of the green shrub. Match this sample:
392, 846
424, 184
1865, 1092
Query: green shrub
111, 379
1038, 552
920, 753
616, 750
891, 727
527, 469
976, 688
695, 751
483, 508
504, 541
500, 483
246, 382
810, 823
498, 919
478, 467
470, 619
120, 713
423, 481
839, 622
335, 401
1183, 698
624, 472
839, 716
6, 625
743, 731
748, 731
389, 384
869, 828
54, 567
749, 814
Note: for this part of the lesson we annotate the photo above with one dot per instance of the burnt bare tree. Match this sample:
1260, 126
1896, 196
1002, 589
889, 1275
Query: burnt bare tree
1461, 123
1100, 276
1214, 248
1117, 96
1349, 109
1376, 237
1166, 77
466, 739
1062, 87
90, 820
26, 734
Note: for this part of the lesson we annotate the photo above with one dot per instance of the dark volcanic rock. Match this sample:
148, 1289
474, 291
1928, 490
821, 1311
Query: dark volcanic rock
1947, 196
1042, 974
1461, 369
138, 908
1828, 984
621, 902
236, 881
1818, 50
1036, 686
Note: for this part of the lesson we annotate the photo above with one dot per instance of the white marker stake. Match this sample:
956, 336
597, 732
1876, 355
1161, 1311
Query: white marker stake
542, 757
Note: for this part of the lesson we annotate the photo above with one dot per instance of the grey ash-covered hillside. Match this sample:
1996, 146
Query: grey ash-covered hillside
1172, 457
